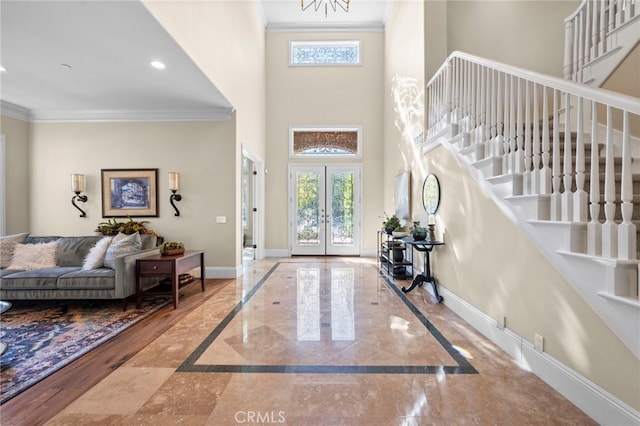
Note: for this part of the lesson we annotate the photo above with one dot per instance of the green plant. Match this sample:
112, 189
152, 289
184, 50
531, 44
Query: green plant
171, 245
112, 227
391, 223
400, 229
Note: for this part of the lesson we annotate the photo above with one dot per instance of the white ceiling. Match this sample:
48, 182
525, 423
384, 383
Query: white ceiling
89, 60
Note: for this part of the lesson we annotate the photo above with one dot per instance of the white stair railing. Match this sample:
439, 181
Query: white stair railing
591, 33
528, 122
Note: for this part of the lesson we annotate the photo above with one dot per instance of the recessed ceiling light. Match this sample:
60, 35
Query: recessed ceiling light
2, 69
158, 65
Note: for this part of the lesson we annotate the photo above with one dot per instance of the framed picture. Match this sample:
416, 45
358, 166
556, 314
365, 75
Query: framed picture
129, 192
403, 195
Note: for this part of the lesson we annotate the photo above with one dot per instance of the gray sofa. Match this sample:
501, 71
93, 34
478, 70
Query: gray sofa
67, 280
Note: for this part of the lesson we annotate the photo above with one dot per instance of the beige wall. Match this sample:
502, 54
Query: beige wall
323, 96
477, 263
404, 101
203, 152
226, 40
16, 133
525, 34
435, 36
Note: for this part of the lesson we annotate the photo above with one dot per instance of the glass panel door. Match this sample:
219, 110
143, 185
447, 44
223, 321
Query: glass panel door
309, 214
343, 197
324, 203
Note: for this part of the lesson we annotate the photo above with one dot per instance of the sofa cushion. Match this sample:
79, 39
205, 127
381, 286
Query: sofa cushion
37, 240
122, 244
149, 241
101, 278
73, 250
7, 244
37, 279
28, 257
95, 257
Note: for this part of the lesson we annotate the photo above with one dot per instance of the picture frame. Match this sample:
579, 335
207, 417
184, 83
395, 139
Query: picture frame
129, 192
402, 195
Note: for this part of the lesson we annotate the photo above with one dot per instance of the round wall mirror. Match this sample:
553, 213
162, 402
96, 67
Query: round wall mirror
431, 194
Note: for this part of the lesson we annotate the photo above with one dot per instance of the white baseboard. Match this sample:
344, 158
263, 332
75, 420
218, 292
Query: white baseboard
596, 402
276, 253
369, 253
218, 272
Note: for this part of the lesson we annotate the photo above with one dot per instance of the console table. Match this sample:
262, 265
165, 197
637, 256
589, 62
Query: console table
168, 266
423, 246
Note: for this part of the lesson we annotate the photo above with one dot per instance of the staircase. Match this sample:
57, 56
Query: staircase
539, 142
598, 36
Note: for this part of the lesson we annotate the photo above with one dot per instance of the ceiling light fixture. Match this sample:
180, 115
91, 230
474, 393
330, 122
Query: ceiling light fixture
335, 4
2, 69
158, 65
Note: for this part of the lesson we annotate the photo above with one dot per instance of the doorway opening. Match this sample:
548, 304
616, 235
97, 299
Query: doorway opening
250, 223
324, 209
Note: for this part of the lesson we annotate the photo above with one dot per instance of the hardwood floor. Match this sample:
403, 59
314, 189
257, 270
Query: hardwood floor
38, 404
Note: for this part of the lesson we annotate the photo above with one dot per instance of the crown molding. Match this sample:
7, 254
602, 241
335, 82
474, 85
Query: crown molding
345, 27
14, 111
213, 114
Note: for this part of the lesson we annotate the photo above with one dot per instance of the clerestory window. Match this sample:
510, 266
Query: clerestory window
324, 53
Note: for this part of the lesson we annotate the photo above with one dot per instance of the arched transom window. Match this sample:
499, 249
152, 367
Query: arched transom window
325, 142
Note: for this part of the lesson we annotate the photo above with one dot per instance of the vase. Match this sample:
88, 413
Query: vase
420, 235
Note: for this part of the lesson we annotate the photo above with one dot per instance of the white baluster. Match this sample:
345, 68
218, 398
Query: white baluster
609, 227
537, 153
595, 12
448, 97
567, 176
594, 227
602, 17
527, 139
499, 117
555, 195
545, 175
519, 128
627, 229
580, 198
506, 165
568, 69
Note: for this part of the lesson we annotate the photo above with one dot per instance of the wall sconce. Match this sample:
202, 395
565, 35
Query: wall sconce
77, 186
174, 186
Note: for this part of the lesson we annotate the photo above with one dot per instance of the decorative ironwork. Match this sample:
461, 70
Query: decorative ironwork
325, 53
325, 142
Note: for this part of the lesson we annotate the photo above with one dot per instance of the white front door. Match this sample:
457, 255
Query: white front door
324, 206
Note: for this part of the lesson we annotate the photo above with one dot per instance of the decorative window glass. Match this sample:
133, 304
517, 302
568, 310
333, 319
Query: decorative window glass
325, 142
324, 53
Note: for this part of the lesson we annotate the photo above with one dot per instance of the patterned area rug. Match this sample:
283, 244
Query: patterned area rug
44, 336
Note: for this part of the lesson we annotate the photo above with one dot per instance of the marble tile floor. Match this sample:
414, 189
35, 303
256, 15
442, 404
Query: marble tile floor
320, 341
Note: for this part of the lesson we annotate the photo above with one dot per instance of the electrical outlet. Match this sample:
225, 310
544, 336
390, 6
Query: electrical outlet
221, 219
501, 321
539, 343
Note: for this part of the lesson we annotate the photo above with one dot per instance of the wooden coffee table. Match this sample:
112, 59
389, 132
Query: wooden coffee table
157, 266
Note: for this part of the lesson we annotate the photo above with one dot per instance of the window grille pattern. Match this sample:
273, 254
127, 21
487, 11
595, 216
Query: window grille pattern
325, 142
325, 53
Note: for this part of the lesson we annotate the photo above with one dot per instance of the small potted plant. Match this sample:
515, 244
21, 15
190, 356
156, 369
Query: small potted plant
418, 232
390, 223
399, 232
172, 248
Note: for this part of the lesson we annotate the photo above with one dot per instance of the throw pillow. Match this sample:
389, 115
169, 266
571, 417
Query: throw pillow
121, 244
27, 257
7, 244
95, 257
